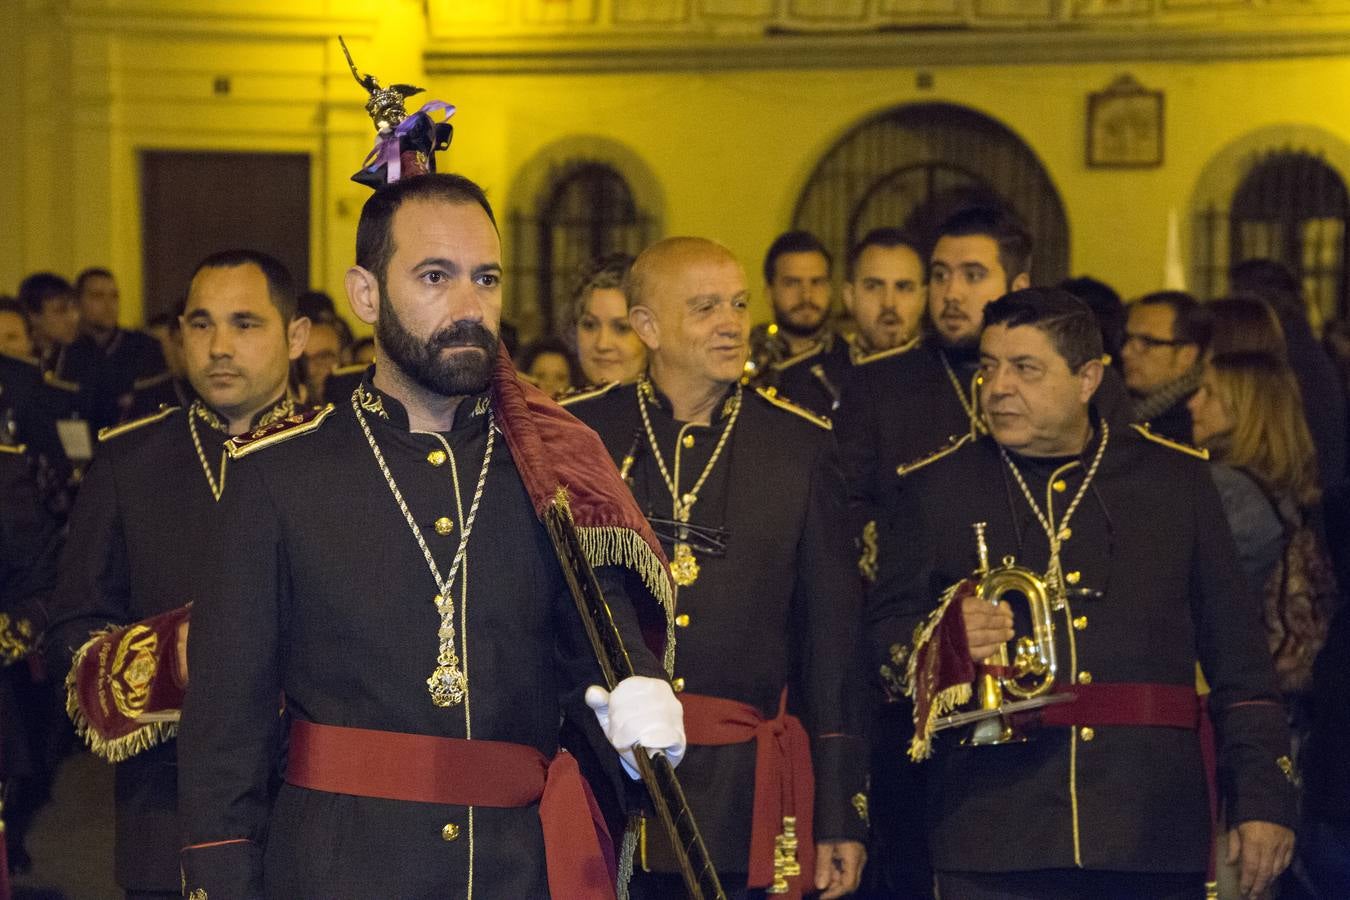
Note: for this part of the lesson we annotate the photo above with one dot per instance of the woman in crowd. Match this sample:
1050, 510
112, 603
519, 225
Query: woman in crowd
548, 363
607, 347
1248, 413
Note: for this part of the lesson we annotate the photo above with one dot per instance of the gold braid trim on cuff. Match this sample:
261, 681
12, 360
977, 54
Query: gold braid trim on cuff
921, 745
614, 546
114, 750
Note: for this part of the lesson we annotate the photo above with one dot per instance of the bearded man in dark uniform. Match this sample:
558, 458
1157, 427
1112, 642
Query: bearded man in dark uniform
425, 649
1125, 531
745, 492
142, 510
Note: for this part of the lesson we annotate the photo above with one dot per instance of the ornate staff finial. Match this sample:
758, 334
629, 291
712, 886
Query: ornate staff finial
406, 143
386, 105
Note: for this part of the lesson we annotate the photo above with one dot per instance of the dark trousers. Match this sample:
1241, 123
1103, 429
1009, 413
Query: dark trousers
653, 886
1070, 884
897, 848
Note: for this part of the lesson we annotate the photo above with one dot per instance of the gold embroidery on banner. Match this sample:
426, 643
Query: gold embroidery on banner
198, 894
111, 749
133, 670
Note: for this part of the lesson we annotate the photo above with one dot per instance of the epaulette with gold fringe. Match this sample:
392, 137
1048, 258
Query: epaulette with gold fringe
13, 448
112, 431
1147, 434
275, 432
586, 393
956, 443
782, 402
59, 383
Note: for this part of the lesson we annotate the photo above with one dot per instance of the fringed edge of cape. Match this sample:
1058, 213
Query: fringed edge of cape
612, 545
117, 749
944, 701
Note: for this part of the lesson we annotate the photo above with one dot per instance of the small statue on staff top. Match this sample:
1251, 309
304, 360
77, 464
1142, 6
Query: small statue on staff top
406, 145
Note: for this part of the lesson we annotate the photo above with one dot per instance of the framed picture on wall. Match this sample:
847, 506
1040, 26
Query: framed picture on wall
1125, 126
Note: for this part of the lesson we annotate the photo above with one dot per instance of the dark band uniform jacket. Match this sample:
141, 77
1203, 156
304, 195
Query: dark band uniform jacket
29, 540
320, 592
778, 609
814, 378
31, 403
898, 406
1153, 588
132, 553
108, 372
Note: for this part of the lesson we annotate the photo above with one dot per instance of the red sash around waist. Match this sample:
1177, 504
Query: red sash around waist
1121, 703
422, 768
784, 782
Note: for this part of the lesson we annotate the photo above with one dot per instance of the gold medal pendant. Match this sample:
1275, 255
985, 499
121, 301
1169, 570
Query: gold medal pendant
684, 567
447, 686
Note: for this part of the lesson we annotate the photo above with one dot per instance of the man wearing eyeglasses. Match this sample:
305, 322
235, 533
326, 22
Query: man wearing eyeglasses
1165, 338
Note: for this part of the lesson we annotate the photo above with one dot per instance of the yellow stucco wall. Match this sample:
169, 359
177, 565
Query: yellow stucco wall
727, 150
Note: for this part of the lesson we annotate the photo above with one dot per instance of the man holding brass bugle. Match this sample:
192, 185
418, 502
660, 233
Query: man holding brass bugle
1055, 687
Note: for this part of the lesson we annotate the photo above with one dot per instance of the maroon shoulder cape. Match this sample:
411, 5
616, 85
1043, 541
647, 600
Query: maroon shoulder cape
562, 460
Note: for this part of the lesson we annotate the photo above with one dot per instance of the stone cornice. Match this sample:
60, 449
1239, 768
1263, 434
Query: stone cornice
909, 48
252, 25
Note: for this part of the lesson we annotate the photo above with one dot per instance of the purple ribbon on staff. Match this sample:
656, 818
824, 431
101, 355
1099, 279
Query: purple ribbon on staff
388, 149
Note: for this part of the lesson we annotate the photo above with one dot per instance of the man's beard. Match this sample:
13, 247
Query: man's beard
800, 328
420, 360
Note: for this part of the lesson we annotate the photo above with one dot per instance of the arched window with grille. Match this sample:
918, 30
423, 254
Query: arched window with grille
1261, 199
913, 166
587, 209
1292, 207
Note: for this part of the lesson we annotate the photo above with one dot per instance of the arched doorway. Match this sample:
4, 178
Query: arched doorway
912, 166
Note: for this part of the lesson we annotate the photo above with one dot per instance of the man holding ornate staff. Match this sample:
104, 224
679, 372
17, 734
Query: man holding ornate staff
423, 652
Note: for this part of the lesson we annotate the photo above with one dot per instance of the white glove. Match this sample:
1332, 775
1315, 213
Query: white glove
642, 712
